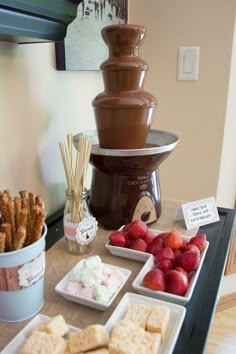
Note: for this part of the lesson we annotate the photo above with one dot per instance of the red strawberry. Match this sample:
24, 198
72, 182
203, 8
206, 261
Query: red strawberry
190, 261
173, 240
139, 245
162, 235
177, 254
149, 237
180, 269
126, 227
137, 229
164, 265
190, 247
118, 238
155, 245
165, 252
199, 241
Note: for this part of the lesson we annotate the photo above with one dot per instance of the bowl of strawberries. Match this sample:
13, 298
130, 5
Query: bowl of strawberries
172, 261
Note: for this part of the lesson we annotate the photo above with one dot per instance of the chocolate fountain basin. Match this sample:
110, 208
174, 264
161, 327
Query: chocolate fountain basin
125, 182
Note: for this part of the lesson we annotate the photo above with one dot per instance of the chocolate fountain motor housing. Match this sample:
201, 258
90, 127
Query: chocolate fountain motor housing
125, 182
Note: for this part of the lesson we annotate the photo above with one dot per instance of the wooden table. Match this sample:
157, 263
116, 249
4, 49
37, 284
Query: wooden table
200, 309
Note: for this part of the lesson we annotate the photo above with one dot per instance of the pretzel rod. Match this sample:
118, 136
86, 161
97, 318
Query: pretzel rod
31, 201
4, 212
21, 219
1, 197
11, 217
17, 201
31, 224
6, 228
24, 203
23, 194
2, 242
38, 226
7, 193
19, 238
39, 201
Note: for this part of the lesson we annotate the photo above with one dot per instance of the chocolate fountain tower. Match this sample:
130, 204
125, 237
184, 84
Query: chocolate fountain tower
124, 111
125, 153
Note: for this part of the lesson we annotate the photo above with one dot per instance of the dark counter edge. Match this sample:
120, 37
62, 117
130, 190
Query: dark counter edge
200, 309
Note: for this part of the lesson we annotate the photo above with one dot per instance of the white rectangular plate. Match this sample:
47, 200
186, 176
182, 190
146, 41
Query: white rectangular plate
17, 342
177, 314
182, 300
61, 286
129, 253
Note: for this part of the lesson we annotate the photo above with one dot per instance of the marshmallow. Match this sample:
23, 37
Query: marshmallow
74, 287
101, 293
92, 262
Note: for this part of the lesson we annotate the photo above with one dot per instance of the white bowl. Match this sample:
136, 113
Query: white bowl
129, 253
61, 286
182, 300
177, 314
17, 342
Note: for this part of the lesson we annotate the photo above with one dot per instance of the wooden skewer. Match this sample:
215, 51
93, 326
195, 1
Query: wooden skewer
76, 177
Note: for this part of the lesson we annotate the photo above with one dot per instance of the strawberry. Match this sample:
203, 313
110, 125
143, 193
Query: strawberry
173, 240
190, 247
164, 265
162, 235
155, 245
126, 227
190, 261
199, 241
163, 253
149, 237
118, 238
139, 245
180, 269
137, 229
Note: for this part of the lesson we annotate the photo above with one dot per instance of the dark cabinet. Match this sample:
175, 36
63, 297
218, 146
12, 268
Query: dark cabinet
32, 21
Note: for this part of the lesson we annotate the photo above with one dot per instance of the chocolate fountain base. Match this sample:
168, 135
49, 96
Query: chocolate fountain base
117, 200
125, 182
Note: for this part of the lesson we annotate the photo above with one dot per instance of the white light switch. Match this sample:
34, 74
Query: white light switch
188, 59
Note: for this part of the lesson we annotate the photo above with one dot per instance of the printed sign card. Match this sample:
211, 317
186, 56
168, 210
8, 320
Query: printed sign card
200, 212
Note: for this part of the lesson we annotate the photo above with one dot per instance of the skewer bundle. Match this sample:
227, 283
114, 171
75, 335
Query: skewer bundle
76, 173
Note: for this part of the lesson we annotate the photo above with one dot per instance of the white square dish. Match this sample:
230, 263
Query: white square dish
182, 300
129, 253
177, 314
61, 286
17, 342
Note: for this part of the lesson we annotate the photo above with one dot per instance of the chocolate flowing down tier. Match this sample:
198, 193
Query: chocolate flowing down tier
124, 111
125, 183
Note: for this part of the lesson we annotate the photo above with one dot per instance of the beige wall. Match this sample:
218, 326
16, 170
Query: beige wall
39, 105
196, 111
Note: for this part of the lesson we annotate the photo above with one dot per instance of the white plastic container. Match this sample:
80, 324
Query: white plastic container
22, 281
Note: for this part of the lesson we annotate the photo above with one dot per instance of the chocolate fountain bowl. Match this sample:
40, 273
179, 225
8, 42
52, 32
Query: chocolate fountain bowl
125, 183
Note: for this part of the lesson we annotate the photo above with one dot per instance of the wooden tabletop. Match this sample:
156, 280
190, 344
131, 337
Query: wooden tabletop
200, 309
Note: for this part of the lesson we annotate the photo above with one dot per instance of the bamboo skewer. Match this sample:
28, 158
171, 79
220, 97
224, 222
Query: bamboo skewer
75, 176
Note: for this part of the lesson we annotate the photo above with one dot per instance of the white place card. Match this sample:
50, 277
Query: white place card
200, 212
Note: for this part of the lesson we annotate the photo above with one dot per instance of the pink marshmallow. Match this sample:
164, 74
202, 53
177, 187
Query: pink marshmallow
86, 292
114, 281
74, 287
106, 271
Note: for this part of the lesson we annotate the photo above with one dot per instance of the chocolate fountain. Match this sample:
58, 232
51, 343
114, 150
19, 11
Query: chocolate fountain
125, 153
